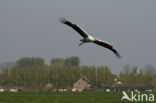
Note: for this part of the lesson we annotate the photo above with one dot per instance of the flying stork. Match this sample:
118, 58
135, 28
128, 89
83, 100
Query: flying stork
88, 38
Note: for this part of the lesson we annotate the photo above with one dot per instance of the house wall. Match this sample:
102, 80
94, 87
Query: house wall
81, 84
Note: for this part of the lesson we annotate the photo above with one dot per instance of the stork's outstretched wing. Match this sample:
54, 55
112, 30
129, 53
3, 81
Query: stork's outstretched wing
108, 46
75, 27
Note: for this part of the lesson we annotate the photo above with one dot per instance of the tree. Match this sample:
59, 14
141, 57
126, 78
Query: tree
126, 68
147, 79
150, 69
86, 71
70, 61
104, 76
7, 65
30, 61
74, 61
57, 61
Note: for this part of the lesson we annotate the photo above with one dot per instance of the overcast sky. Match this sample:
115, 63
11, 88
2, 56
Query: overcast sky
31, 28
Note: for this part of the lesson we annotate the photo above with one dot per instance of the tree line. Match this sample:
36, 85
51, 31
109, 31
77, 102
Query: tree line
32, 72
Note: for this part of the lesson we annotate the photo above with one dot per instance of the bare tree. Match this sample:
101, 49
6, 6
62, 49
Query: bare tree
126, 68
150, 69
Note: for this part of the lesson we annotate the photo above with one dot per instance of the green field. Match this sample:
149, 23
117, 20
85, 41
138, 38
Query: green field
62, 97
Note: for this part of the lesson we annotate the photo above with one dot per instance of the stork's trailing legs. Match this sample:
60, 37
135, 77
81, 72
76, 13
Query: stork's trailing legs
81, 43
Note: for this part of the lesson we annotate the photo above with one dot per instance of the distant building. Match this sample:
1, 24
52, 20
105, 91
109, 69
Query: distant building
82, 83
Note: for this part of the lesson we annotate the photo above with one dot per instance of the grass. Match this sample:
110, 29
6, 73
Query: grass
62, 97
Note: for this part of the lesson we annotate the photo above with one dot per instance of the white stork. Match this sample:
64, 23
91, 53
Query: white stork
88, 38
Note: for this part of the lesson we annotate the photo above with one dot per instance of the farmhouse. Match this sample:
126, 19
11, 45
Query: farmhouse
81, 84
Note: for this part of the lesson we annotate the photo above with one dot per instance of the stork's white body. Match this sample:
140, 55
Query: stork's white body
88, 39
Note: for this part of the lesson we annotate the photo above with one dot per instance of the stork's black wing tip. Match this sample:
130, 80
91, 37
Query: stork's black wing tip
118, 55
63, 20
